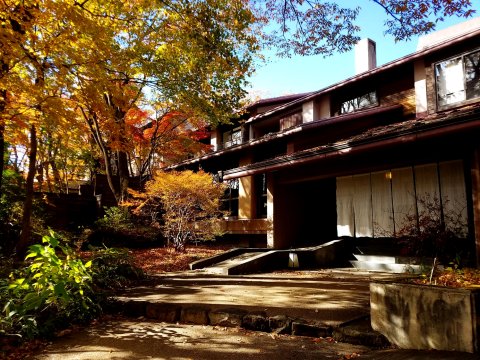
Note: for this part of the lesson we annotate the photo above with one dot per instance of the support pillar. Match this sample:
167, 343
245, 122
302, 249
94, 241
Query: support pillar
270, 210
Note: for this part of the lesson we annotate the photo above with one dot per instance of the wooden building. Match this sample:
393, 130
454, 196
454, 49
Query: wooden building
358, 158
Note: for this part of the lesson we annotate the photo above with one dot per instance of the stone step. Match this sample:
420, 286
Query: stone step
387, 267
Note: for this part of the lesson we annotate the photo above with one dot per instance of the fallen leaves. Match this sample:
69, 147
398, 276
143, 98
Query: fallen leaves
162, 260
456, 278
349, 356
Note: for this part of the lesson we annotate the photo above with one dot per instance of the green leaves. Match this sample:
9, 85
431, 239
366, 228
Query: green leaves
54, 280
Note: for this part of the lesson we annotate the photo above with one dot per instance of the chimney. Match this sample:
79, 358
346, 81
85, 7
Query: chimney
365, 56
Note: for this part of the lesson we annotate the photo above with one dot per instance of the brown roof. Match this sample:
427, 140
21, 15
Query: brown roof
455, 120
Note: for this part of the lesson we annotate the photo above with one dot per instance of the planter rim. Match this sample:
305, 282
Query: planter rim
470, 289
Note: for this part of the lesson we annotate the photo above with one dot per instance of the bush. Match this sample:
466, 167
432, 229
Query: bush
11, 211
53, 290
187, 203
116, 218
113, 268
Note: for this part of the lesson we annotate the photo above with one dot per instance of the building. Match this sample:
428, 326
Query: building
359, 158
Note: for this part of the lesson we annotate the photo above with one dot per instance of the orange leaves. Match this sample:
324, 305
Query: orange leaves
136, 116
190, 203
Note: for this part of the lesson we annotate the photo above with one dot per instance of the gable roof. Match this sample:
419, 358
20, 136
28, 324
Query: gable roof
438, 45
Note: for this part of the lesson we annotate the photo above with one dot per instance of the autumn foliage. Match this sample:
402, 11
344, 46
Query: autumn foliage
185, 204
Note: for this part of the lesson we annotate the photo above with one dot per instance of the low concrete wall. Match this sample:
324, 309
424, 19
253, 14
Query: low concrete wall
245, 226
203, 263
425, 317
268, 261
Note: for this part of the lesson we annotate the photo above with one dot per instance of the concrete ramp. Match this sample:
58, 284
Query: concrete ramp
250, 260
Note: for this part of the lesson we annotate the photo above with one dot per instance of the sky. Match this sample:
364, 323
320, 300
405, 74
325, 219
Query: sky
283, 76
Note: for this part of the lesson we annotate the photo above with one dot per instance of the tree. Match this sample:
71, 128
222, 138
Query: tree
96, 61
187, 203
188, 57
308, 27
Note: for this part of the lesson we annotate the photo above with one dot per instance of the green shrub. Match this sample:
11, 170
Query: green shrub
116, 218
53, 290
113, 268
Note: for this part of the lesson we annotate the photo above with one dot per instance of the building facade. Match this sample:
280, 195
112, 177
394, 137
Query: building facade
359, 158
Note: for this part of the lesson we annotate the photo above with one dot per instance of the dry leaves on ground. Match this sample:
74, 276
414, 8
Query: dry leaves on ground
161, 260
457, 278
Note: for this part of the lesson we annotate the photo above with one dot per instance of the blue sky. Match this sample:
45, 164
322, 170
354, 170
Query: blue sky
301, 74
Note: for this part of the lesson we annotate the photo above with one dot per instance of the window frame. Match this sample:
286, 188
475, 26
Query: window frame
230, 135
230, 200
353, 99
261, 191
462, 56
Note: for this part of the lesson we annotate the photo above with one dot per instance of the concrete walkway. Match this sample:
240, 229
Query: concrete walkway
331, 297
194, 315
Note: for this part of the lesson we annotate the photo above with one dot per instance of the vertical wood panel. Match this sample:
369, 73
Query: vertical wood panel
403, 194
362, 205
427, 186
345, 217
382, 205
454, 194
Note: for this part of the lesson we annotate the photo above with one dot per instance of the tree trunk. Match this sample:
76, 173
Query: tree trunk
25, 236
123, 175
3, 95
2, 154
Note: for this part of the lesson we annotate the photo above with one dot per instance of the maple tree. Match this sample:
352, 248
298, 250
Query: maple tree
185, 204
179, 57
70, 64
308, 27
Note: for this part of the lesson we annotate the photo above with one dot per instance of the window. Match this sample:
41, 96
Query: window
232, 137
458, 79
261, 195
358, 103
230, 199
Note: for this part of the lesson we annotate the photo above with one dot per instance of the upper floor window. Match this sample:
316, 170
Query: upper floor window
232, 137
458, 79
358, 103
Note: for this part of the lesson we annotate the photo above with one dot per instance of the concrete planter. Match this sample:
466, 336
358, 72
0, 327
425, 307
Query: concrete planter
426, 317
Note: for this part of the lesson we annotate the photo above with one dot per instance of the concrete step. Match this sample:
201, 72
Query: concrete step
354, 331
382, 259
376, 258
387, 267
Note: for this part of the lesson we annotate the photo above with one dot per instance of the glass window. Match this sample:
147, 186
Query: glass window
230, 199
458, 79
472, 75
261, 193
358, 103
232, 137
